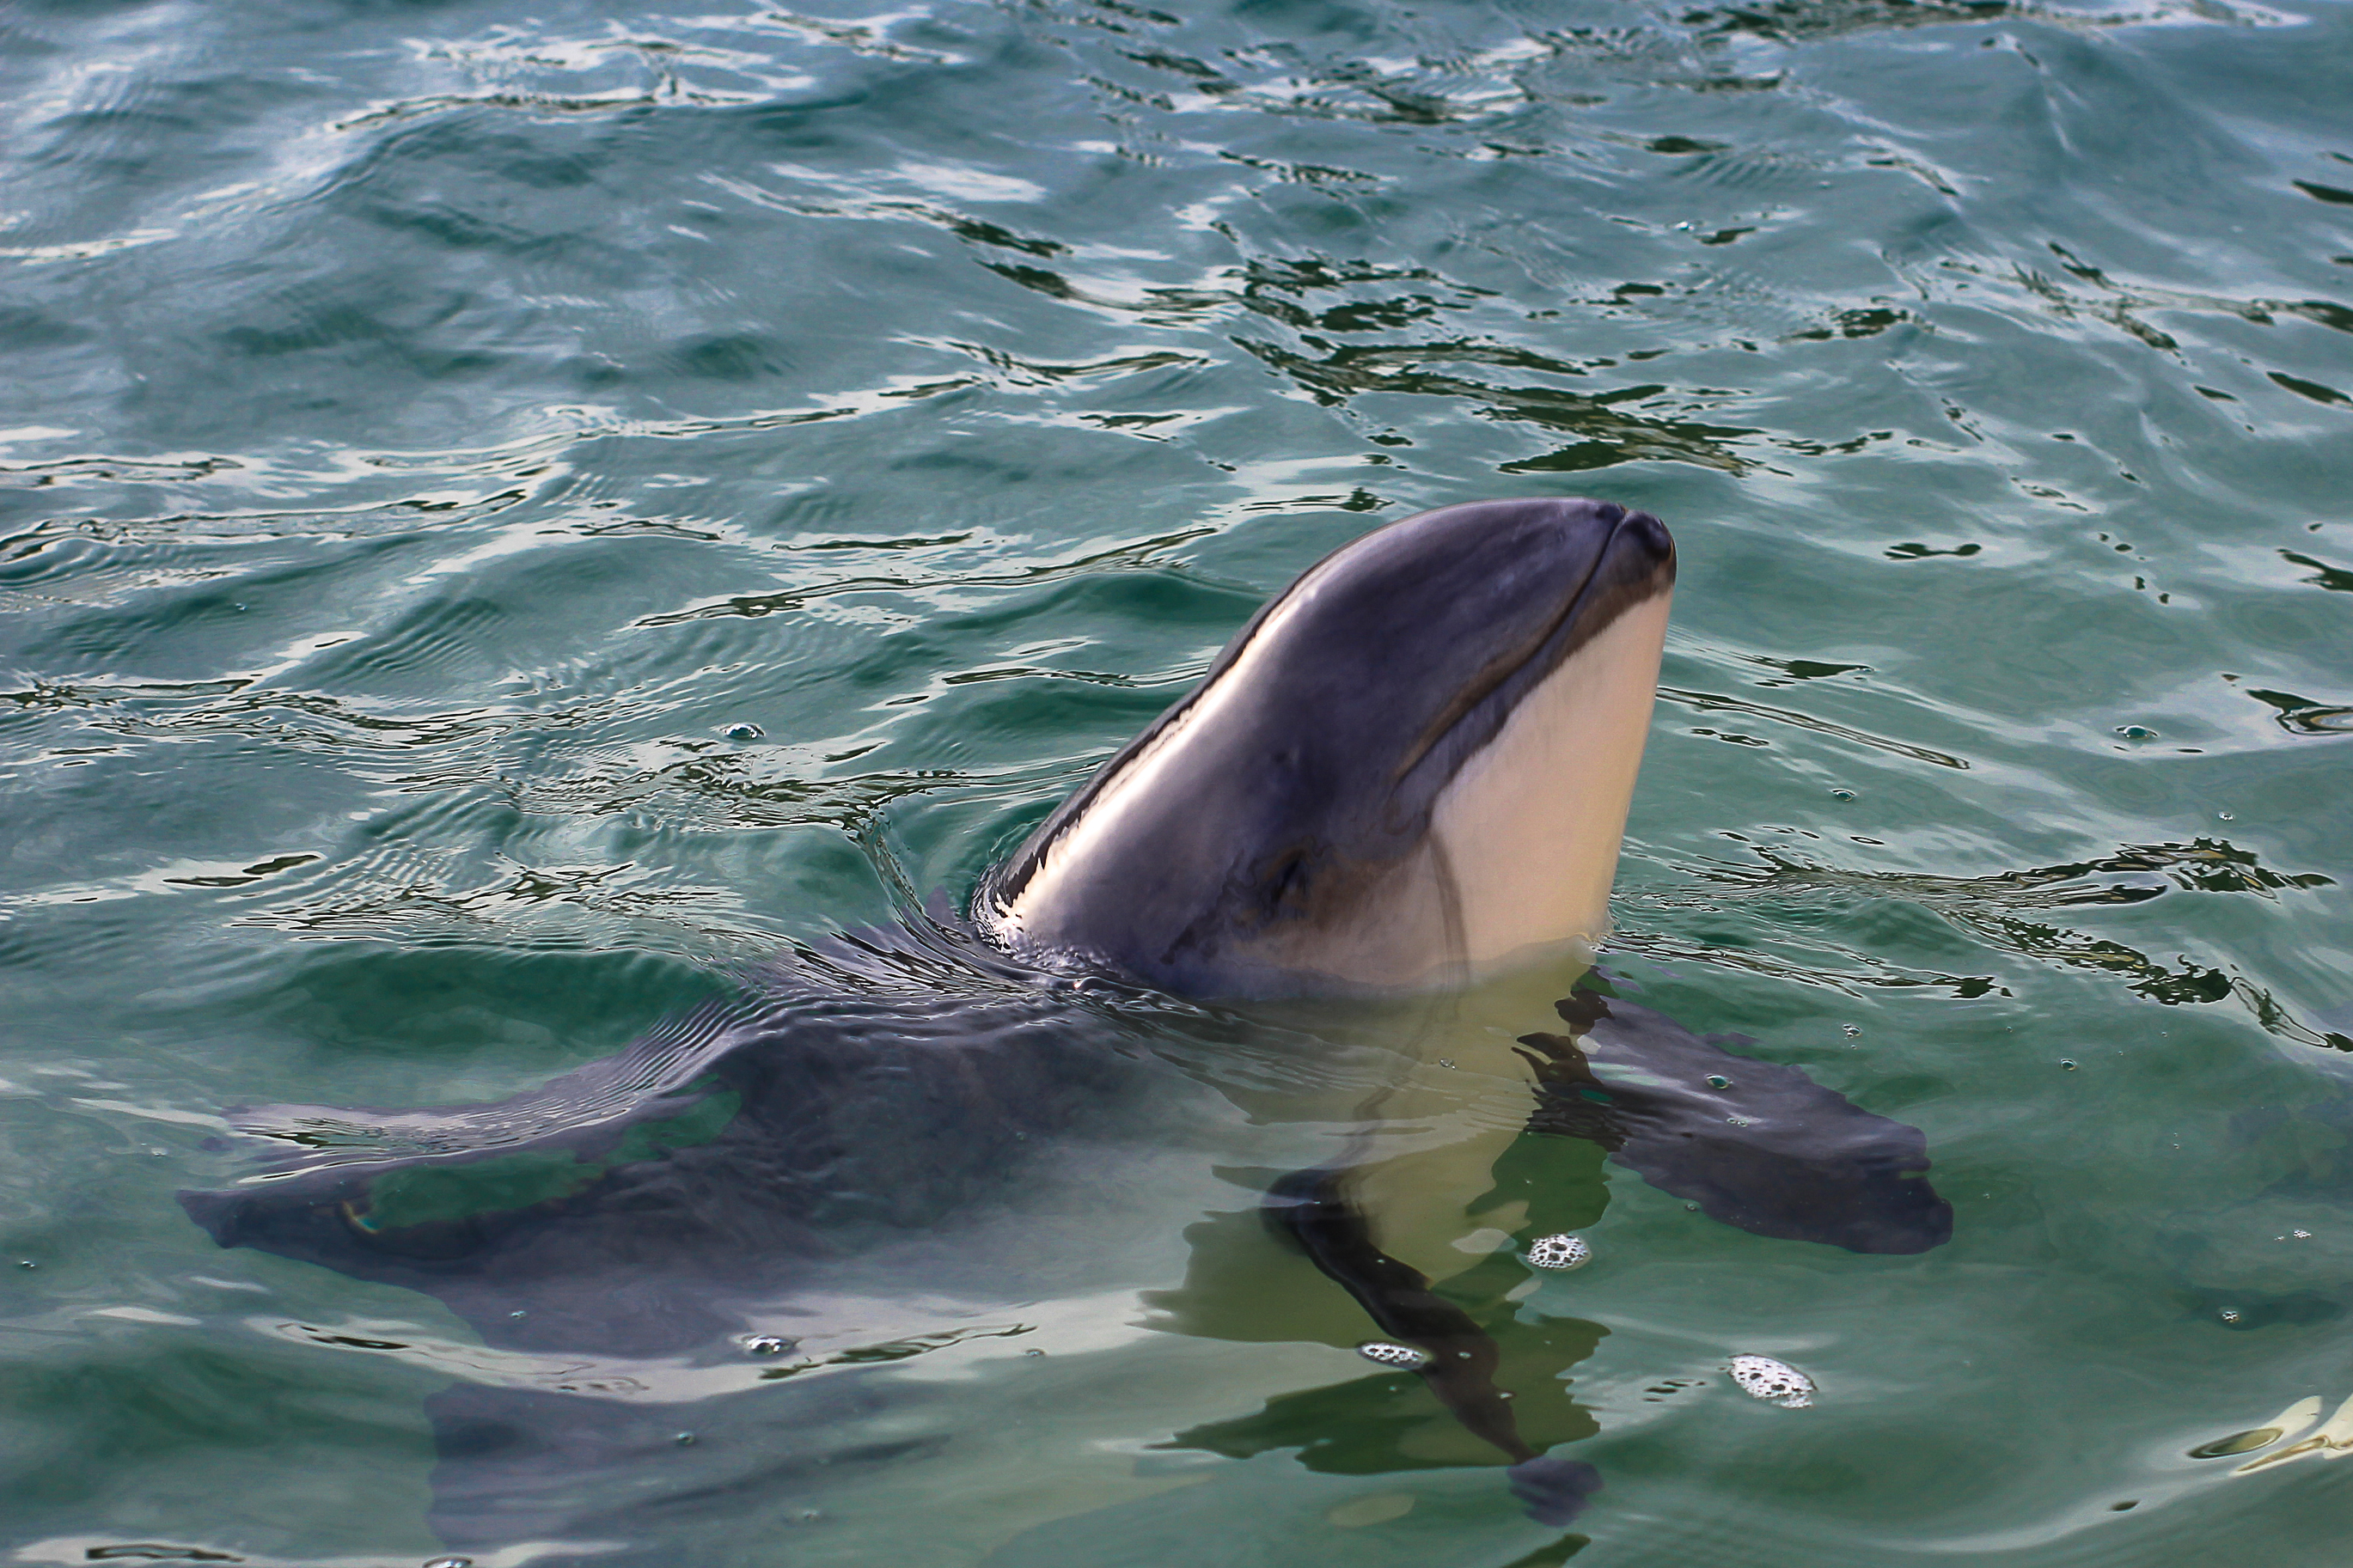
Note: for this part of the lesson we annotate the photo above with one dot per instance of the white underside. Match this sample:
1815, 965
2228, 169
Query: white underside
1530, 826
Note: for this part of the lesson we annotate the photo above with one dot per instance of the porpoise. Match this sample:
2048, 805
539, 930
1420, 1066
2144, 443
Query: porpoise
1407, 774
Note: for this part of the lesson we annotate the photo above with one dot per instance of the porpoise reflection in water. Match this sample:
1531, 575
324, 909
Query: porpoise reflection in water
1407, 777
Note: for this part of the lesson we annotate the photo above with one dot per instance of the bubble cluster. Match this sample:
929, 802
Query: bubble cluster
1774, 1381
1388, 1352
1562, 1251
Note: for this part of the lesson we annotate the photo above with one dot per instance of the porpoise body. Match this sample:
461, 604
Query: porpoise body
1408, 773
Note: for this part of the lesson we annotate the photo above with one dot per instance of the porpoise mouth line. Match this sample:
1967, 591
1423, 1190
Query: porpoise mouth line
1550, 647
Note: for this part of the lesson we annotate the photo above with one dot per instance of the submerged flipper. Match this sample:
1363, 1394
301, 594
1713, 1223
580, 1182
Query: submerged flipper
1754, 1143
1310, 1209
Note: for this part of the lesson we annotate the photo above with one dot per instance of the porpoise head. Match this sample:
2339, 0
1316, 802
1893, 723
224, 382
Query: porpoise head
1410, 768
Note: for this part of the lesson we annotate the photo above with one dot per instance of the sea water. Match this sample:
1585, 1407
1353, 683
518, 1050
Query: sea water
507, 512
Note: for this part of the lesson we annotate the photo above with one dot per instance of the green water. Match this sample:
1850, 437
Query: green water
431, 433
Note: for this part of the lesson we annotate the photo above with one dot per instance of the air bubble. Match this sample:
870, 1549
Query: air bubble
743, 731
2067, 1064
2239, 1443
1850, 1030
768, 1344
2302, 1235
2226, 817
1388, 1352
1561, 1251
684, 1439
450, 1563
2136, 732
1717, 1080
2230, 1315
1841, 794
1774, 1381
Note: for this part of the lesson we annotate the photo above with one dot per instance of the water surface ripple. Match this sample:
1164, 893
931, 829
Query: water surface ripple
505, 514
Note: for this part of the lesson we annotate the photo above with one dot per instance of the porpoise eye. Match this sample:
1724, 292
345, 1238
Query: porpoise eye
1286, 881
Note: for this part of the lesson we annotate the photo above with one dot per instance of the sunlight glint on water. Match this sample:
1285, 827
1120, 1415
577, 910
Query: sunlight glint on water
504, 515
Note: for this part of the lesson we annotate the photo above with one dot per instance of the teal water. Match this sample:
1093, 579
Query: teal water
505, 512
